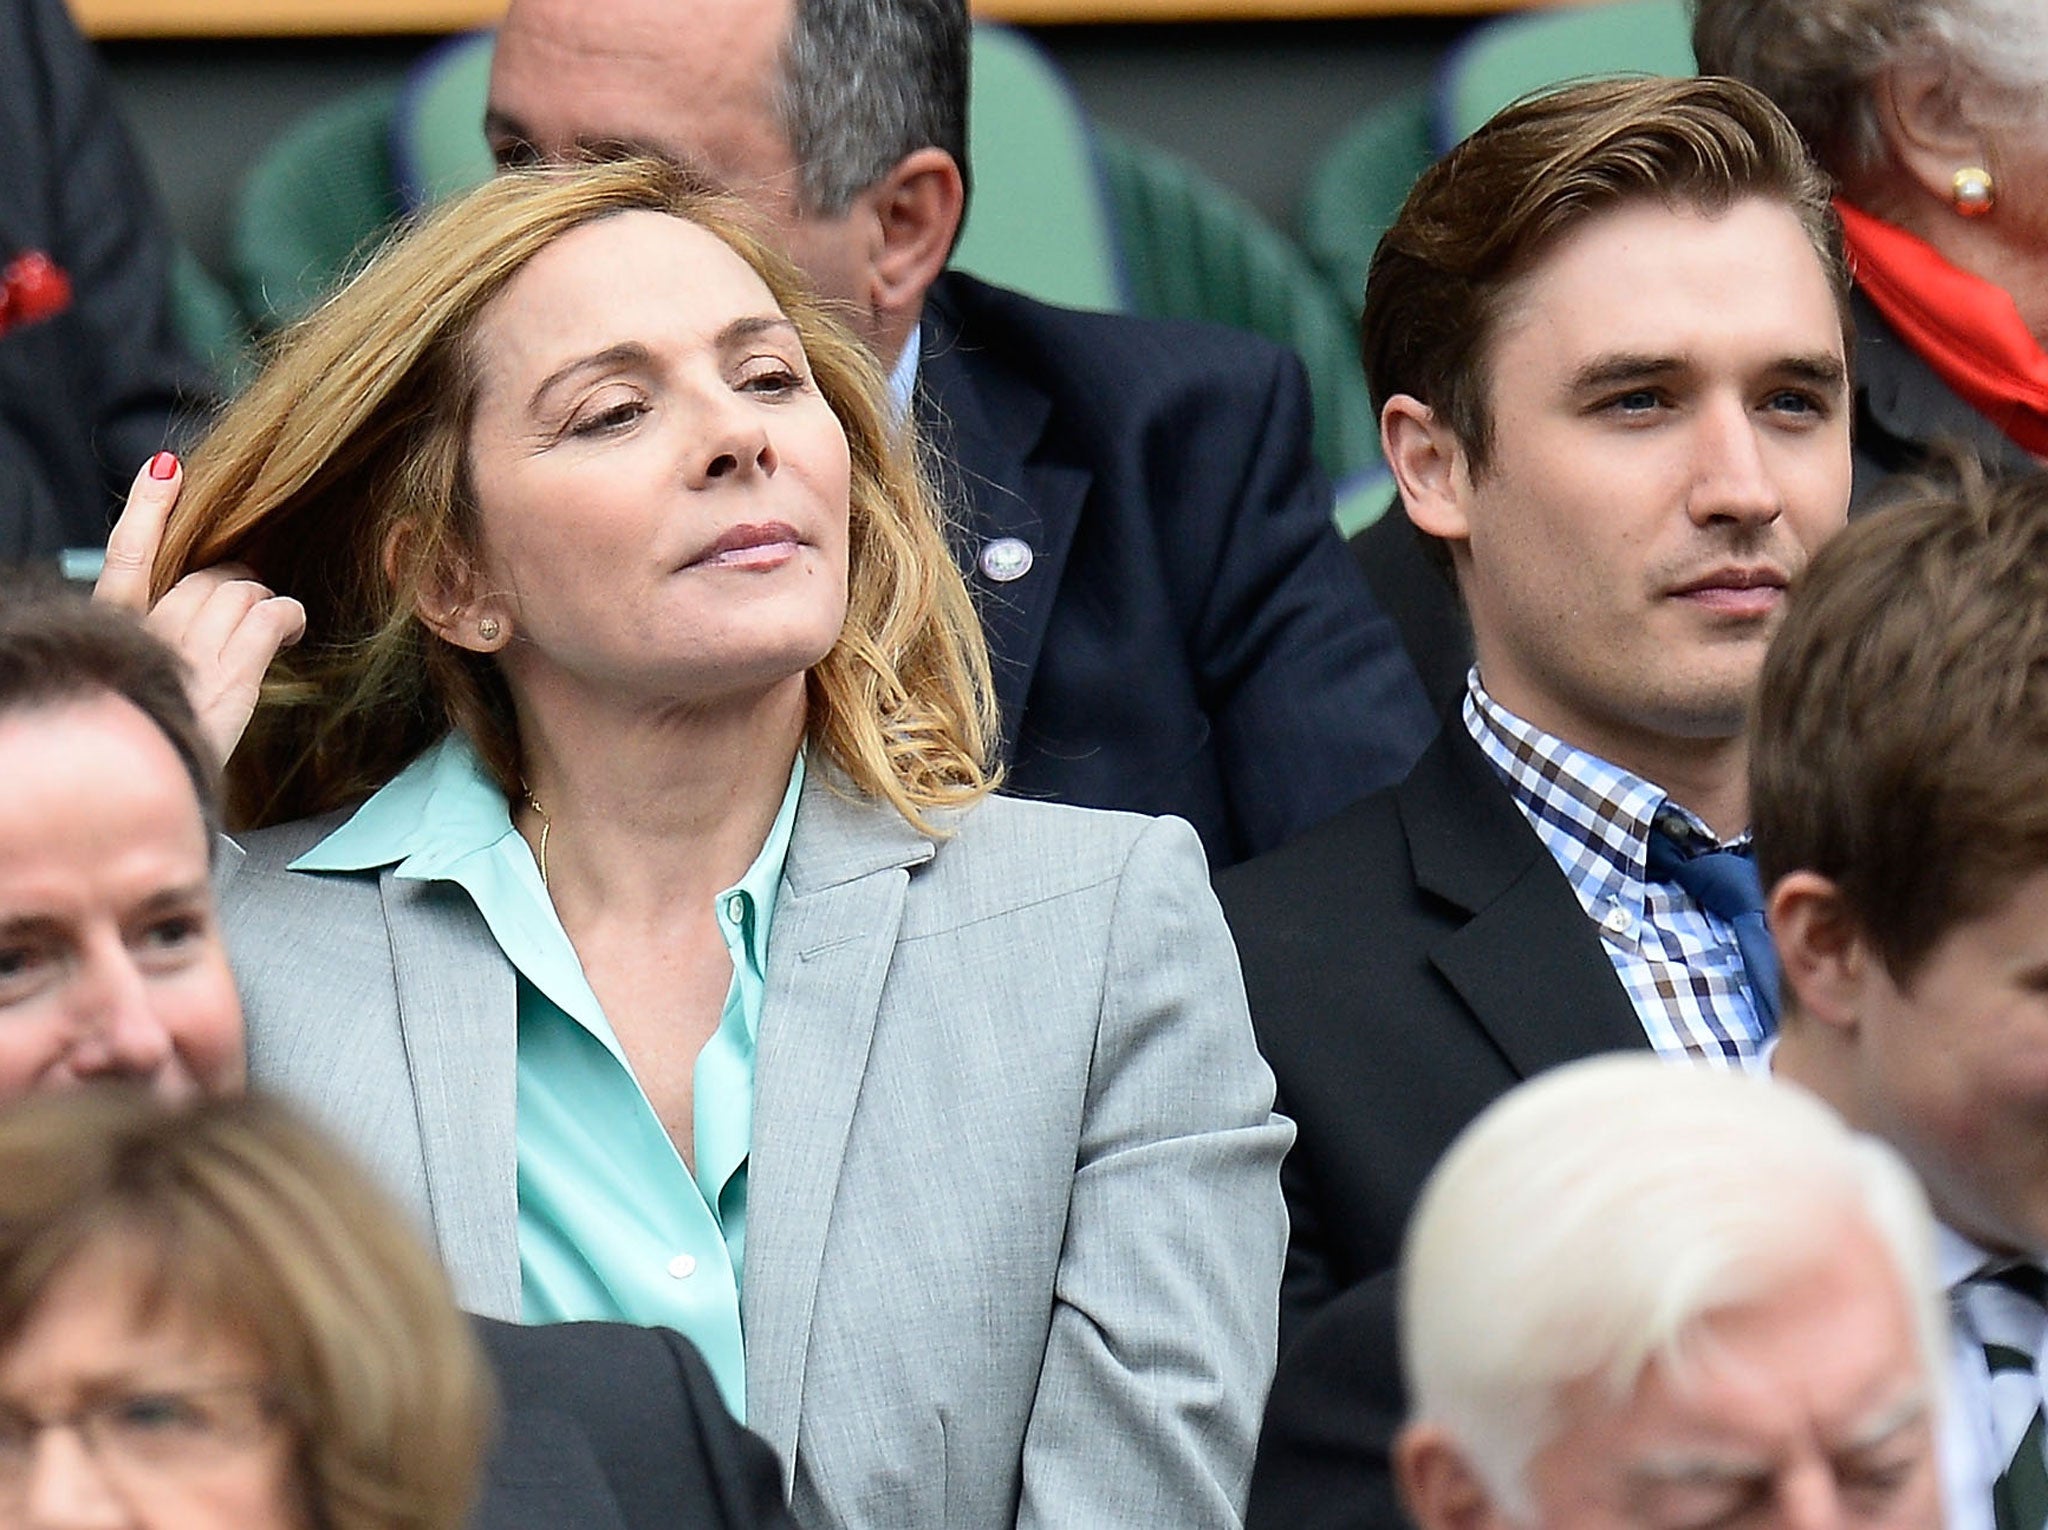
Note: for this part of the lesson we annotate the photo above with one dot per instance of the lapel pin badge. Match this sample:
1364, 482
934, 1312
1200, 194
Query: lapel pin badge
1006, 559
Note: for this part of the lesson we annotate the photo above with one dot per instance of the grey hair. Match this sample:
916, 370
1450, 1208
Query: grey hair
1819, 59
1585, 1223
866, 82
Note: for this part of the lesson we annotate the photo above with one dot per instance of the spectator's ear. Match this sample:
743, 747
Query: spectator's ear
1429, 465
1930, 131
447, 595
1827, 962
1438, 1486
917, 208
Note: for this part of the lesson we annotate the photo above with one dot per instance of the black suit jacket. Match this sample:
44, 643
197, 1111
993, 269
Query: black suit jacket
1191, 637
1408, 963
86, 396
604, 1426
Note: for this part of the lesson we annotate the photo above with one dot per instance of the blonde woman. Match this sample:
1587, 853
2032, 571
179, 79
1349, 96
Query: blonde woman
626, 883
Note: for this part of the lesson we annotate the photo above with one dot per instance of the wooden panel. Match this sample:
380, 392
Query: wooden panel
333, 18
279, 18
1034, 12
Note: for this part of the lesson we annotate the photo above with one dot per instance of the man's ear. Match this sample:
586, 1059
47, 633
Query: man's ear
1429, 466
1827, 962
1438, 1485
447, 602
1924, 114
917, 208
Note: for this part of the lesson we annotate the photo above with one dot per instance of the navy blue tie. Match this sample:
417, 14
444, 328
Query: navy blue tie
1725, 883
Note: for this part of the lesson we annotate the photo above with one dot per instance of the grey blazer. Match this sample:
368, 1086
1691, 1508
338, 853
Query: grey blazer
1014, 1226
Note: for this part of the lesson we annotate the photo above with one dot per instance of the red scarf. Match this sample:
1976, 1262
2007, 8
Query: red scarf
1967, 329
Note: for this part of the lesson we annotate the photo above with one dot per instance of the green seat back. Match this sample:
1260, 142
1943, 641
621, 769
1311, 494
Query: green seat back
1195, 250
209, 321
438, 148
314, 206
1506, 59
1039, 221
1363, 498
1357, 185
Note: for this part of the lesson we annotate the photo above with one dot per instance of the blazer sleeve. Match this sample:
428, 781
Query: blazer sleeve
1166, 1296
1313, 699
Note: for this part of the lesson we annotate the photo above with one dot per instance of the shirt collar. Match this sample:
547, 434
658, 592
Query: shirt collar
444, 807
903, 377
440, 808
1956, 1258
1605, 808
754, 892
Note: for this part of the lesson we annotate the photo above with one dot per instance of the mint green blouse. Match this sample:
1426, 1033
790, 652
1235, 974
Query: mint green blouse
612, 1224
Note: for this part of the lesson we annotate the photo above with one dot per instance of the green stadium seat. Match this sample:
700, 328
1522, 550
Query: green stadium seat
1506, 59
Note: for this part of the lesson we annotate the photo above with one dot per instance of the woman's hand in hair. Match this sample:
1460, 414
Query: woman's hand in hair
225, 624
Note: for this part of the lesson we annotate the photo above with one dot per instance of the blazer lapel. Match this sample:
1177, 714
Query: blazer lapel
988, 427
833, 939
457, 1008
1526, 962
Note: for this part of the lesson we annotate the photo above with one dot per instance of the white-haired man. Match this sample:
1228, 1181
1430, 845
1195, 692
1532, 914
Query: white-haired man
1643, 1296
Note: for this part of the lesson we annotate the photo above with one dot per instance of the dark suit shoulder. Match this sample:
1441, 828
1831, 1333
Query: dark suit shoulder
1406, 963
1055, 343
609, 1424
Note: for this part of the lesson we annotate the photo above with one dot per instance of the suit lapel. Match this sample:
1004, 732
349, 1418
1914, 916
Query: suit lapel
1526, 962
833, 939
457, 1008
989, 429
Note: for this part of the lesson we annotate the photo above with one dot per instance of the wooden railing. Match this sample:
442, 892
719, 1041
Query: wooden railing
330, 18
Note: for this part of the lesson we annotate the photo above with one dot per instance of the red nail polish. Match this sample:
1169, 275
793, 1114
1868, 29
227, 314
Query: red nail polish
163, 465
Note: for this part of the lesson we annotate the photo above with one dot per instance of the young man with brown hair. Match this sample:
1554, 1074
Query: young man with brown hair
1900, 780
1606, 338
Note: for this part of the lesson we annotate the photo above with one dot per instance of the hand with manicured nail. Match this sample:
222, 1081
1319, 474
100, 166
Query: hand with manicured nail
225, 624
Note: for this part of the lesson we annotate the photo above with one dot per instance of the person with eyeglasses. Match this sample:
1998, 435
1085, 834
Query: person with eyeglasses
209, 1319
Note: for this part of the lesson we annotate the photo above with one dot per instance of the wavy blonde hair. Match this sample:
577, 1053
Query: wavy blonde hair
354, 441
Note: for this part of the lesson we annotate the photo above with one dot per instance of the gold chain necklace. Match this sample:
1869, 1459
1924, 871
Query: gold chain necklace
541, 851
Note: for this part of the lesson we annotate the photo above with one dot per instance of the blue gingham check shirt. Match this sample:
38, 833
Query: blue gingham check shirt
1680, 965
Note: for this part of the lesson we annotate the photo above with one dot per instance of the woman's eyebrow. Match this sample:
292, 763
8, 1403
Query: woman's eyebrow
627, 353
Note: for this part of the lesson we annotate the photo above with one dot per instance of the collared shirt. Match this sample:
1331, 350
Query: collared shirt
612, 1224
1680, 965
1970, 1456
903, 377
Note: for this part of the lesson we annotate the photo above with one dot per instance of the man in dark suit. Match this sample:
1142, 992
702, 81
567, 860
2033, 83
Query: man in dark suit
114, 971
1175, 625
1606, 338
